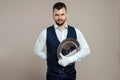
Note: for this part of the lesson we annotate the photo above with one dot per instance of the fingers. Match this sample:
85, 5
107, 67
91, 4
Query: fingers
61, 55
62, 63
72, 53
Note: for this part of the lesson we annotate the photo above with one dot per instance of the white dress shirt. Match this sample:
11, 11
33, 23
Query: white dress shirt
61, 34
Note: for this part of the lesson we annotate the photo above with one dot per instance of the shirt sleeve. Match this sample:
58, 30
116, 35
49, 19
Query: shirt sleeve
40, 46
84, 48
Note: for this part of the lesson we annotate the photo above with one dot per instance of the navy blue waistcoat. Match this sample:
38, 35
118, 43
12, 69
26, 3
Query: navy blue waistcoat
52, 45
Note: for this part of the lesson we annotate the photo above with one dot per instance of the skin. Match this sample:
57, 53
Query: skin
60, 17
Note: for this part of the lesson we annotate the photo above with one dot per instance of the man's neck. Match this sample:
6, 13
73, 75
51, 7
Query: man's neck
62, 26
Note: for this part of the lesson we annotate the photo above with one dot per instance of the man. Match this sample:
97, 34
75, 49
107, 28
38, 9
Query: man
51, 38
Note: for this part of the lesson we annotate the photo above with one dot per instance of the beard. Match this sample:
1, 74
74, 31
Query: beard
60, 22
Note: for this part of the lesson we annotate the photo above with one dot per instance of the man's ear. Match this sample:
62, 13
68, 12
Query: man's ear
53, 15
66, 15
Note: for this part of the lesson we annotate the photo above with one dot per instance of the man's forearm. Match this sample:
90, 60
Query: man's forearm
41, 55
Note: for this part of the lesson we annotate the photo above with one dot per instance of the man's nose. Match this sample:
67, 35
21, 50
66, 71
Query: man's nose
59, 17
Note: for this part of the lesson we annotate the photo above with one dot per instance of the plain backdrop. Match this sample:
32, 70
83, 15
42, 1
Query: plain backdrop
21, 22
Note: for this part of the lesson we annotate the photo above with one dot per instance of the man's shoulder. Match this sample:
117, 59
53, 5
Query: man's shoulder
70, 26
76, 29
73, 27
49, 27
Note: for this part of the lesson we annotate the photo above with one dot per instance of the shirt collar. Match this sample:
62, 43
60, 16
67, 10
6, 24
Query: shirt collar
56, 26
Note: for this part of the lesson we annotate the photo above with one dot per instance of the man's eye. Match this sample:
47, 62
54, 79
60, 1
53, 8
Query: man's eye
56, 15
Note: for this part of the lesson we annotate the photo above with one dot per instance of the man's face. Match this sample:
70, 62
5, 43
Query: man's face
60, 16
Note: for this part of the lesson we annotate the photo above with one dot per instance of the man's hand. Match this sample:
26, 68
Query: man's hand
64, 61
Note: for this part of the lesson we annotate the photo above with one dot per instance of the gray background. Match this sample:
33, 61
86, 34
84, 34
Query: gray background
21, 22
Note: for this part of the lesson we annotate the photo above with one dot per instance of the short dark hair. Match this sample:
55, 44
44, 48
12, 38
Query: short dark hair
59, 5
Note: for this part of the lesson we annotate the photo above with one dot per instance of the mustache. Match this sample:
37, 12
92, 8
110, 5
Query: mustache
60, 20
